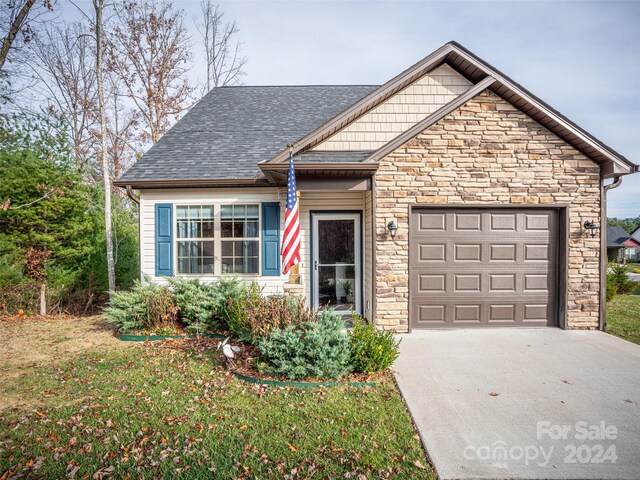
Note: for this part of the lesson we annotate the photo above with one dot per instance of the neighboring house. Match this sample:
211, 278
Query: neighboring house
618, 240
622, 246
489, 188
633, 252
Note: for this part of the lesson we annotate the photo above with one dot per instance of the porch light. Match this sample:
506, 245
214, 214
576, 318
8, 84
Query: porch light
590, 225
393, 228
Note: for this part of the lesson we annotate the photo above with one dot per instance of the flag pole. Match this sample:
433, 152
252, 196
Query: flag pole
294, 271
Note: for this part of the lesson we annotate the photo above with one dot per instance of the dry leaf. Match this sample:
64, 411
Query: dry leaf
244, 427
292, 448
494, 394
419, 465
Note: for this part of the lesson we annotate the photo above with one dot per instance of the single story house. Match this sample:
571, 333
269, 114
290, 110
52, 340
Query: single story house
633, 252
620, 244
448, 197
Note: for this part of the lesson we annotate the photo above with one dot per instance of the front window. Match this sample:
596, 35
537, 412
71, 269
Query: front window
239, 226
195, 238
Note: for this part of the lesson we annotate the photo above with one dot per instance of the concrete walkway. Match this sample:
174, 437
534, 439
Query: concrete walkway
517, 403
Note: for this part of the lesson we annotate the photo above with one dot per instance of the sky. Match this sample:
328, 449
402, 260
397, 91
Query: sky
583, 58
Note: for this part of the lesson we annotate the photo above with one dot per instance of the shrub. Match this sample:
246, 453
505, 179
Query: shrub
149, 307
371, 350
252, 316
223, 292
196, 304
611, 289
315, 349
618, 277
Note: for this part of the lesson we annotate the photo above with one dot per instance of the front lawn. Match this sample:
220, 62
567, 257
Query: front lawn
623, 317
74, 401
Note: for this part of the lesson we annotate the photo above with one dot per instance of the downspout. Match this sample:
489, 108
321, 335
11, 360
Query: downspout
131, 195
602, 321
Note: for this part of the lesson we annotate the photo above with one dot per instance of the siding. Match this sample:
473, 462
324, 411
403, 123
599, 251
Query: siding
309, 200
195, 196
400, 112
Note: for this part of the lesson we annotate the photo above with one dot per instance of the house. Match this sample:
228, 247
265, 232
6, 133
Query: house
620, 245
632, 253
448, 197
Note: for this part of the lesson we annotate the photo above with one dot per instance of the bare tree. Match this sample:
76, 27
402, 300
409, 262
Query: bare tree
149, 50
122, 128
223, 52
98, 6
65, 64
17, 14
17, 21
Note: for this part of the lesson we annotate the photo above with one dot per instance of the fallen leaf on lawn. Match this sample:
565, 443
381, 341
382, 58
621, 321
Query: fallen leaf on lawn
494, 394
244, 427
292, 448
419, 465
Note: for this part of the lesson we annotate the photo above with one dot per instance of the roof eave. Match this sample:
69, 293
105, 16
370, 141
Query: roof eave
191, 183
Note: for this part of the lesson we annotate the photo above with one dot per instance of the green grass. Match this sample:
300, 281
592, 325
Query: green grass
168, 411
623, 317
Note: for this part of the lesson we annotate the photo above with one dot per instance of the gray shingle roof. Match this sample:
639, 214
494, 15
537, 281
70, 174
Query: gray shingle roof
231, 129
616, 236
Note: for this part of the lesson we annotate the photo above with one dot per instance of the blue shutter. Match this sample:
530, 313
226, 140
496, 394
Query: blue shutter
270, 239
164, 239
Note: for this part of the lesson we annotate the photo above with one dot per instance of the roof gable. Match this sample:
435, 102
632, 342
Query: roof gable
616, 236
476, 71
400, 112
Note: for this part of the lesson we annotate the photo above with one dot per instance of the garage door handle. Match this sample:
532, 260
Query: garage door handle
315, 265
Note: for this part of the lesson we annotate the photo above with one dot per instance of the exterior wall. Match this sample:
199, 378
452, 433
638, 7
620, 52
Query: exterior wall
309, 200
400, 112
486, 152
200, 196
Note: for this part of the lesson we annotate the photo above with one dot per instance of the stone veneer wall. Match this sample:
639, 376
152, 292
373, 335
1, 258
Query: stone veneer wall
486, 152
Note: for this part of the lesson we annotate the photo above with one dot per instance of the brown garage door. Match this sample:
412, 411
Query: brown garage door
480, 267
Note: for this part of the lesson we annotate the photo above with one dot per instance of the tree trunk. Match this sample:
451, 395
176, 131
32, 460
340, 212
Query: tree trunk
43, 299
14, 28
98, 6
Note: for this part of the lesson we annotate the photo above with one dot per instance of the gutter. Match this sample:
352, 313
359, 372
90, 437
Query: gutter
617, 181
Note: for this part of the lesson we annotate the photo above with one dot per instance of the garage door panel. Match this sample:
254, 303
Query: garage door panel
432, 252
431, 222
467, 222
467, 283
431, 283
501, 282
469, 313
464, 252
502, 222
471, 267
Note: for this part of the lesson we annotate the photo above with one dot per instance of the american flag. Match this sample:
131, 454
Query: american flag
291, 242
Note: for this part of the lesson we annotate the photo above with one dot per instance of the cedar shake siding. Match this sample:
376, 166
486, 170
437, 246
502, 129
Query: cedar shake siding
486, 152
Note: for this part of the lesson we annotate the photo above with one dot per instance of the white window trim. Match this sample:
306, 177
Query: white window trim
234, 239
217, 239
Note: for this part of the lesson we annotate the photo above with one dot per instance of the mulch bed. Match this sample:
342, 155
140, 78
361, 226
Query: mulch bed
246, 361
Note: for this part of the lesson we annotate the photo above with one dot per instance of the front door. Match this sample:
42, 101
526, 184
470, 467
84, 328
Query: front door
336, 262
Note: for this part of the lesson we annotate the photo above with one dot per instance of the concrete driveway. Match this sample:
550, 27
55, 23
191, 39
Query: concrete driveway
524, 403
